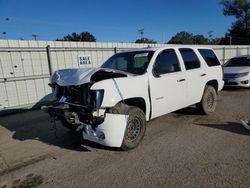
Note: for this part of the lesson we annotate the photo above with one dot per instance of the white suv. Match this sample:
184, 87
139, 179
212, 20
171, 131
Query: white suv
111, 104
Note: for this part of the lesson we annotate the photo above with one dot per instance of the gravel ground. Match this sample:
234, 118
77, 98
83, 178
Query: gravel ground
180, 149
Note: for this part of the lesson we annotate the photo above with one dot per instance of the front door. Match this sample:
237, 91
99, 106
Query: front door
167, 84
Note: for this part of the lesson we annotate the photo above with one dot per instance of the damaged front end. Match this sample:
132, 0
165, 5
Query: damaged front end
80, 108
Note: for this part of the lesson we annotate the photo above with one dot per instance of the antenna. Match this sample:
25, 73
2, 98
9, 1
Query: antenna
210, 34
141, 32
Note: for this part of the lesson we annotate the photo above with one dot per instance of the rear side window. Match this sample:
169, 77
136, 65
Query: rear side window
210, 57
190, 59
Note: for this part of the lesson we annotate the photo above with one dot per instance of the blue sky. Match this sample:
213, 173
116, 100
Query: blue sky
111, 20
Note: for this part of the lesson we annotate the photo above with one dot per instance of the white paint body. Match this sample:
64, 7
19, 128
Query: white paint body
162, 94
167, 94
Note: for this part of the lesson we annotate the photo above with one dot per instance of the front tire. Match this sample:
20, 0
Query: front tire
209, 101
136, 128
136, 125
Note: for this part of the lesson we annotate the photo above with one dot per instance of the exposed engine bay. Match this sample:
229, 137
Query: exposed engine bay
79, 107
77, 104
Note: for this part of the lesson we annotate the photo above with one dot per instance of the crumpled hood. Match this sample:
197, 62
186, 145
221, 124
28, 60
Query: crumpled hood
76, 76
235, 70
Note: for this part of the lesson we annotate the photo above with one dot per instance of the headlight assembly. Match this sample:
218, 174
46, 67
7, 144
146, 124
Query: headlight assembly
98, 98
241, 74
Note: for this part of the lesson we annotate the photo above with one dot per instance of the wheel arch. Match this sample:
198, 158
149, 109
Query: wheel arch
137, 102
214, 84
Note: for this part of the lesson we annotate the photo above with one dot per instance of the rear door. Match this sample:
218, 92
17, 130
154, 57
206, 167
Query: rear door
167, 84
214, 67
195, 75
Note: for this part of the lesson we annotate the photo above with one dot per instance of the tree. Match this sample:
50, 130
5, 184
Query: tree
182, 38
145, 40
240, 29
188, 38
215, 41
200, 39
84, 36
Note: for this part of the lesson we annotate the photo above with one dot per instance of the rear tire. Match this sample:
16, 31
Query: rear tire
209, 101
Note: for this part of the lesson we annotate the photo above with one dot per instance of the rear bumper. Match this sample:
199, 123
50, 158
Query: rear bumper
109, 133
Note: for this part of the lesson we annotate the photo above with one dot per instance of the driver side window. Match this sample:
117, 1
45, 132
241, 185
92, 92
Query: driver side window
167, 62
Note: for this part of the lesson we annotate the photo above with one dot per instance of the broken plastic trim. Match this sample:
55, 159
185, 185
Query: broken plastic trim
109, 133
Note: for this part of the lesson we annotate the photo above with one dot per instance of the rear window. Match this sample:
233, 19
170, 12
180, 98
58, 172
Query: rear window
210, 57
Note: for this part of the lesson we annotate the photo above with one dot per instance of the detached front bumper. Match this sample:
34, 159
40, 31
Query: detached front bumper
109, 133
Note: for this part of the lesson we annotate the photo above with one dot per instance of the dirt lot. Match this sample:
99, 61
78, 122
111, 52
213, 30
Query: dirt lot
181, 149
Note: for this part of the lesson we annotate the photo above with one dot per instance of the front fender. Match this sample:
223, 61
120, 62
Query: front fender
118, 89
111, 95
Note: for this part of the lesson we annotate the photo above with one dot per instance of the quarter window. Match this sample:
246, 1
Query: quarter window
190, 59
210, 57
167, 62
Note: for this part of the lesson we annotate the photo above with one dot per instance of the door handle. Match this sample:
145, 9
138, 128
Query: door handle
181, 80
203, 74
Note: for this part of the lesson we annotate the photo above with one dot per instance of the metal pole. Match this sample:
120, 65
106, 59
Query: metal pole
224, 55
49, 60
230, 40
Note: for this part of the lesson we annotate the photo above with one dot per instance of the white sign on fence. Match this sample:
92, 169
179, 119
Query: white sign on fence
84, 60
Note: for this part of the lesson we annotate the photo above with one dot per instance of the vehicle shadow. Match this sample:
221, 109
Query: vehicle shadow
191, 110
43, 101
36, 125
232, 127
238, 89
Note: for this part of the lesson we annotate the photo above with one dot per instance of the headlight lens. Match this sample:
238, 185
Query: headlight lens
242, 74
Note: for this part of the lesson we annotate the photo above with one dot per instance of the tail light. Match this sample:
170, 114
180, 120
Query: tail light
222, 70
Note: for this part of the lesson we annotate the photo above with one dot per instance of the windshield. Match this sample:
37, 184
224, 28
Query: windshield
131, 62
238, 62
